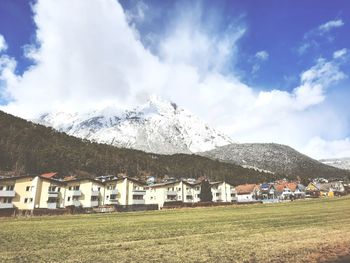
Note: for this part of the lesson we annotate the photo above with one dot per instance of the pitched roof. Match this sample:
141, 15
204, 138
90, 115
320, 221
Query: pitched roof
281, 186
49, 175
246, 188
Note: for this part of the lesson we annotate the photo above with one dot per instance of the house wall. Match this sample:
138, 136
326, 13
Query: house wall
106, 198
241, 198
5, 185
21, 193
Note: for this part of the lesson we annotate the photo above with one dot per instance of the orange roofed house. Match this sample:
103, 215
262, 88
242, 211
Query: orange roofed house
247, 193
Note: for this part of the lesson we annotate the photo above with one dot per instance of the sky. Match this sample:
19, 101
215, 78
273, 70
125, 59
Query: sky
260, 71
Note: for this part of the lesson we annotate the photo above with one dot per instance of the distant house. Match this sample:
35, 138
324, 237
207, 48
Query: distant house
223, 192
247, 193
338, 188
290, 190
172, 191
267, 192
312, 190
299, 191
325, 190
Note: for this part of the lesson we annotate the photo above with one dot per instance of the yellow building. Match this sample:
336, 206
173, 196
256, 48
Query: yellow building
83, 192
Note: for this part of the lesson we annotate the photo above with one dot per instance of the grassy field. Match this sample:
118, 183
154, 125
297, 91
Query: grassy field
303, 231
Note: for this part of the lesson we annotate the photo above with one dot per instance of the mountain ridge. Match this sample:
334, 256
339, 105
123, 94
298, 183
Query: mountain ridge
341, 163
158, 126
273, 157
26, 147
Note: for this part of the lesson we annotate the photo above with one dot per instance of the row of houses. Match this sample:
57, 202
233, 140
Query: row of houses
48, 191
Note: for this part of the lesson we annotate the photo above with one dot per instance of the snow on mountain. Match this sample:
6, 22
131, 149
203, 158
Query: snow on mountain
158, 126
342, 163
272, 157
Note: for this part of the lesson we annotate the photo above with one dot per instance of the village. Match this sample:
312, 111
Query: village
50, 194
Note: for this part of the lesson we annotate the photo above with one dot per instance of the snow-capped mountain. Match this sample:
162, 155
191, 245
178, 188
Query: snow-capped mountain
158, 126
342, 163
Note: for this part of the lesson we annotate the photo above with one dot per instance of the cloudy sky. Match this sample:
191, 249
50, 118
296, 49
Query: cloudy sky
260, 71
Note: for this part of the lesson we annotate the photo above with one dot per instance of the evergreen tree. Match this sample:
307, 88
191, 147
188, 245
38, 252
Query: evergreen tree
205, 194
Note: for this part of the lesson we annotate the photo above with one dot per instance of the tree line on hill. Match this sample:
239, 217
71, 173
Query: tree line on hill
26, 147
32, 148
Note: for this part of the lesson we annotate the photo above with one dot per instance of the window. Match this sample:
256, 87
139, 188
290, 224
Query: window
7, 200
107, 197
52, 200
28, 188
68, 199
10, 187
52, 189
77, 187
137, 197
70, 188
58, 189
28, 200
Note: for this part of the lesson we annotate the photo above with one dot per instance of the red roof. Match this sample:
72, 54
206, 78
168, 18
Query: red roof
245, 188
280, 187
49, 175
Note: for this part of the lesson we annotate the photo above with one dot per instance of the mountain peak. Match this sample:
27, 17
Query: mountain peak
158, 126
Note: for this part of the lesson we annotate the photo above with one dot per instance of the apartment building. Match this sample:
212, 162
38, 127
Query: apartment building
82, 192
177, 190
7, 193
223, 192
50, 193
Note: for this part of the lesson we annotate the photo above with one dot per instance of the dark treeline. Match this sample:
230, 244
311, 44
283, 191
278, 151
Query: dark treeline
26, 147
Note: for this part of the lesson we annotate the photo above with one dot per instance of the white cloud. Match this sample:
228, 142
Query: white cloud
317, 36
340, 53
259, 58
330, 25
87, 55
3, 45
320, 148
262, 55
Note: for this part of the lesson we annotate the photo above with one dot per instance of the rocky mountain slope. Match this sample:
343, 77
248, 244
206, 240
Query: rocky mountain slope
158, 126
341, 163
276, 158
26, 147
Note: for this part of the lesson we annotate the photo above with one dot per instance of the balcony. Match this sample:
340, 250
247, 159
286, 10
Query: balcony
138, 192
75, 192
113, 201
171, 193
95, 193
53, 194
51, 205
113, 192
6, 205
6, 193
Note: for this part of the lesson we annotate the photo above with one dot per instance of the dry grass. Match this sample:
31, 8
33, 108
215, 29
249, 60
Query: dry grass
303, 231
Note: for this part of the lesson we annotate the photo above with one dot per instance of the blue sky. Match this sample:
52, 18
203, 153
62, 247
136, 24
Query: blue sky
233, 54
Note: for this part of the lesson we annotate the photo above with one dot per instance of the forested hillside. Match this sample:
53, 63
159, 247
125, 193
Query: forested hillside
26, 147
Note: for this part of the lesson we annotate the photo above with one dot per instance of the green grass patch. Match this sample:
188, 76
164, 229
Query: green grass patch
302, 231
